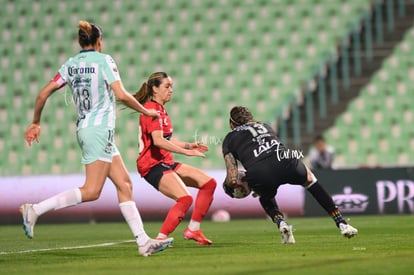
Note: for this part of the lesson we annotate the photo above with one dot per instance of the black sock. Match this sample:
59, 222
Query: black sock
271, 208
325, 200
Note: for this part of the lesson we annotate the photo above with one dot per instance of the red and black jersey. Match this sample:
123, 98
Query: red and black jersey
151, 155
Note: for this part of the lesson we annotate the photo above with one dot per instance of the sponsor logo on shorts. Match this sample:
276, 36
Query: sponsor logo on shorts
108, 148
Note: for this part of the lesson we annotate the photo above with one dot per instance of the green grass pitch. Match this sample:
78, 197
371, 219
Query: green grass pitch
385, 245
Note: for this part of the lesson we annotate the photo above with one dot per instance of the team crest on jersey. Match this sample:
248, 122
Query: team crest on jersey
108, 148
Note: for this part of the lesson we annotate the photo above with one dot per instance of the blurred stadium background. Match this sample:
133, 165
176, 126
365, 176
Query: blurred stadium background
339, 68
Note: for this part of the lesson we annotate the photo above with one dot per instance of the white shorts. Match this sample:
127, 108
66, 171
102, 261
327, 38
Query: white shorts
97, 143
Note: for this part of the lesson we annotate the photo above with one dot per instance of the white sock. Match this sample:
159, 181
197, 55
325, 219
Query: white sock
161, 236
130, 212
62, 200
193, 225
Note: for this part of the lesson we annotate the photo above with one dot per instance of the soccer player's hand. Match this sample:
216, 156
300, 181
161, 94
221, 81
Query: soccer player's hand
228, 189
152, 113
199, 146
32, 133
194, 153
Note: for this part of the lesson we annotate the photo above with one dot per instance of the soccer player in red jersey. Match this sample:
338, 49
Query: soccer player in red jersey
156, 163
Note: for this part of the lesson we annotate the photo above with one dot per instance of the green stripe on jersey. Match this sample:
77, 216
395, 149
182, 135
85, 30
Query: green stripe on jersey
89, 75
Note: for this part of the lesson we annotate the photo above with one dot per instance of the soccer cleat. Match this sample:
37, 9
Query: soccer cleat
197, 236
286, 232
29, 219
160, 239
154, 246
347, 230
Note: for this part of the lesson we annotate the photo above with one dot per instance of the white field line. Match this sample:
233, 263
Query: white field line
64, 248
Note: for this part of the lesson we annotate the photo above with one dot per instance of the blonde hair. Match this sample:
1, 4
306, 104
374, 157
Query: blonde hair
85, 26
88, 33
145, 93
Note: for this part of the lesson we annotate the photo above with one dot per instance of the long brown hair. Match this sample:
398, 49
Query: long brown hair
146, 91
88, 33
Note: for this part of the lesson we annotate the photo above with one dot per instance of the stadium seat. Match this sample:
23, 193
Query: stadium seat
384, 110
220, 53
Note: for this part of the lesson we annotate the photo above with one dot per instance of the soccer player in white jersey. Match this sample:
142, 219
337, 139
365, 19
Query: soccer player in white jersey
94, 80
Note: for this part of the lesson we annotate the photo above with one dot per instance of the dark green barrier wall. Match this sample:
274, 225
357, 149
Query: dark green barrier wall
366, 191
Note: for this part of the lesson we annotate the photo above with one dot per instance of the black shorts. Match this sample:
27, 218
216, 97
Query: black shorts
155, 174
266, 176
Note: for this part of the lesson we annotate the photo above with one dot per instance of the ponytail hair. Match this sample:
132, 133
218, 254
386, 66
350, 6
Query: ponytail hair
143, 95
88, 33
146, 91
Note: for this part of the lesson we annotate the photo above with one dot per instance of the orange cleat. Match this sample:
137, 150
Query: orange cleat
197, 236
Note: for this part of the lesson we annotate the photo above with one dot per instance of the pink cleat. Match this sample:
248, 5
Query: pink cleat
197, 236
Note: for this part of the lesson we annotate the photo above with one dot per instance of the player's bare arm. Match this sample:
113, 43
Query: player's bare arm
126, 98
161, 142
231, 168
41, 100
32, 132
199, 146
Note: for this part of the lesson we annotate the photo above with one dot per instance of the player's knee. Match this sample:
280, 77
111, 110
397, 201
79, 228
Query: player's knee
210, 185
127, 186
90, 194
311, 179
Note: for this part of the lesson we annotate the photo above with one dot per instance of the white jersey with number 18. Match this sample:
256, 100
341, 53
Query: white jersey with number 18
89, 75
